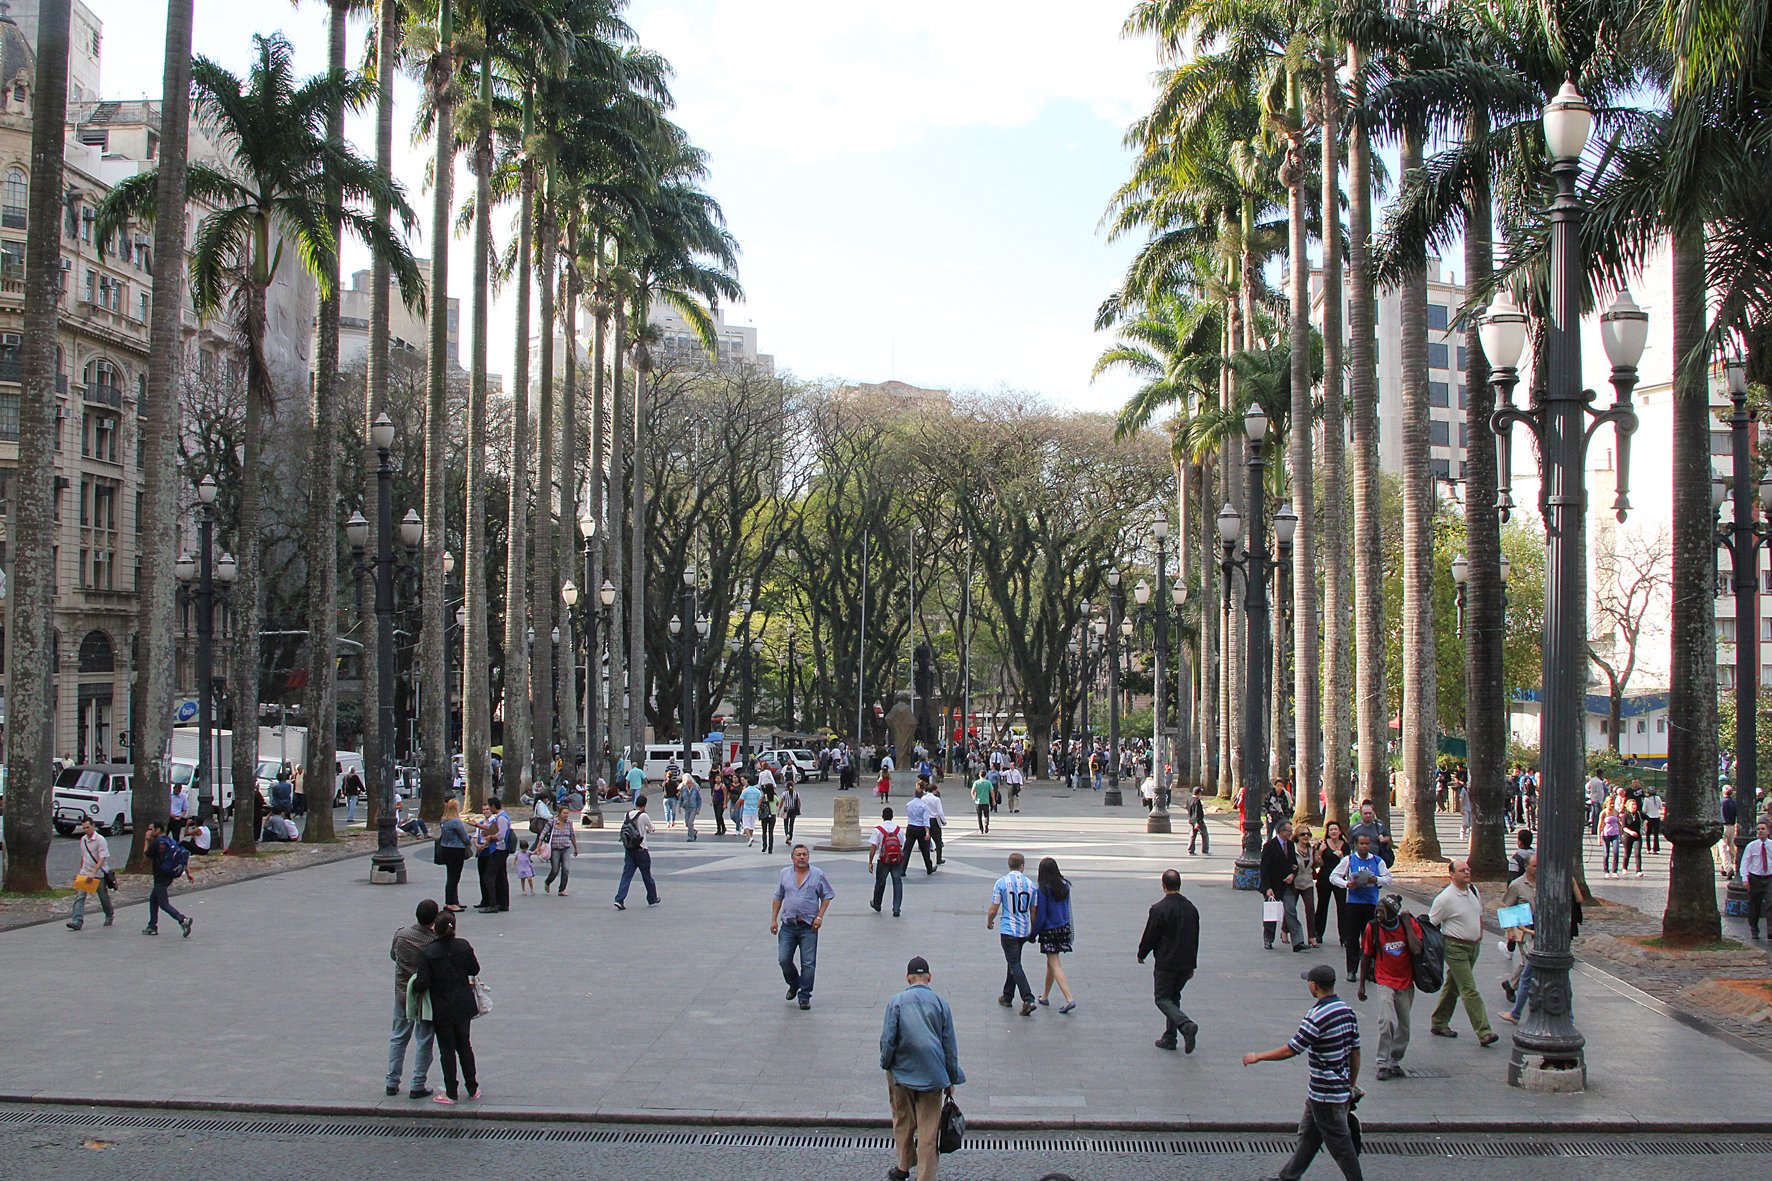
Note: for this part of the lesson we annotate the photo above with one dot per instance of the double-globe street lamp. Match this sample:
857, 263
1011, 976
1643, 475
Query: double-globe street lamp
387, 867
1548, 1052
594, 613
1110, 626
745, 648
688, 638
1173, 598
1461, 576
197, 577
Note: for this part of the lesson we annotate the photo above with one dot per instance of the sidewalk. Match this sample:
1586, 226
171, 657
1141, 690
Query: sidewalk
675, 1013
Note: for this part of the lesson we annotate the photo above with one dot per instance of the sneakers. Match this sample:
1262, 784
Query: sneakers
793, 991
186, 924
1027, 1008
108, 919
476, 1093
443, 1099
73, 926
805, 1002
621, 905
150, 930
1189, 1033
415, 1093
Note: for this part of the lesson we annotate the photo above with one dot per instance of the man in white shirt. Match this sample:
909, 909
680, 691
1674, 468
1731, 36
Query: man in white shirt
887, 854
938, 820
1756, 868
1458, 912
95, 863
635, 856
916, 831
197, 840
765, 776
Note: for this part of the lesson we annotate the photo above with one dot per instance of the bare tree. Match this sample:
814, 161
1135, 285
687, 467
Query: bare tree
1628, 582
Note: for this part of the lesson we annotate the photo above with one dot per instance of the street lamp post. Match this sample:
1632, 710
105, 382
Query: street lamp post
1177, 594
1548, 1052
1257, 567
197, 576
1111, 626
387, 866
792, 728
1461, 575
686, 627
1742, 538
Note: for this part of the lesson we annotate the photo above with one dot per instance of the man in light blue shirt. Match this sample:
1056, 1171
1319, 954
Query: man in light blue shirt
921, 1059
1013, 899
916, 827
636, 777
802, 895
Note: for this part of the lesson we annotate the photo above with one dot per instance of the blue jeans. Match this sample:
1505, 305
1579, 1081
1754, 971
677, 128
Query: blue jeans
404, 1031
1015, 978
350, 809
80, 897
894, 873
640, 859
670, 809
803, 935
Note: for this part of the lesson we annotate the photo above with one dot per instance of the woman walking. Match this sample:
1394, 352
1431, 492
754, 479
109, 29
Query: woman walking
453, 843
447, 972
1329, 852
883, 788
766, 813
1632, 823
1610, 829
559, 837
1304, 855
1052, 927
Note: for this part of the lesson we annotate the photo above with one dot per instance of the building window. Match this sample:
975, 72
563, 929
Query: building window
11, 356
1605, 725
12, 267
1642, 726
1440, 468
1464, 434
1439, 433
1661, 725
1437, 355
1436, 316
1439, 393
1464, 402
1463, 359
15, 200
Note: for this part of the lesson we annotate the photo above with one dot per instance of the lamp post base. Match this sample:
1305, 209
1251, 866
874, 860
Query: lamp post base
591, 817
1735, 899
1533, 1072
1247, 875
1158, 821
387, 868
1111, 798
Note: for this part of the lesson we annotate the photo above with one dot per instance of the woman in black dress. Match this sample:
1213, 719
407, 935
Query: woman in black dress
1330, 851
446, 972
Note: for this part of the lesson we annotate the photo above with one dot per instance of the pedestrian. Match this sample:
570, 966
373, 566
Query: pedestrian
1389, 947
1015, 779
1611, 831
525, 869
169, 863
938, 820
1304, 853
886, 860
690, 800
766, 816
1013, 900
495, 850
790, 811
916, 825
718, 791
1378, 830
750, 799
1054, 930
178, 808
981, 796
1172, 935
1330, 1036
1329, 853
1516, 861
1632, 822
1653, 811
446, 971
1517, 984
1458, 912
796, 915
636, 777
634, 854
1756, 868
1196, 819
883, 787
671, 787
1279, 871
1726, 846
921, 1058
559, 837
407, 952
94, 876
454, 844
1361, 874
354, 789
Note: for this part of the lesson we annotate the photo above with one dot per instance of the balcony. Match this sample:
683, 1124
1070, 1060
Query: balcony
102, 395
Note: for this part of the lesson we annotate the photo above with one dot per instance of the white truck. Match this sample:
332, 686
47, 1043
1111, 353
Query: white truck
182, 763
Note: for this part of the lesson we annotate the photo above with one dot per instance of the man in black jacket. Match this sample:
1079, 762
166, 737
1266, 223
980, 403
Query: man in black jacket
1279, 871
1172, 933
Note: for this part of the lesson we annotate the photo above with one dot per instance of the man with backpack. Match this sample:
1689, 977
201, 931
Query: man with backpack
1389, 948
886, 860
170, 862
634, 855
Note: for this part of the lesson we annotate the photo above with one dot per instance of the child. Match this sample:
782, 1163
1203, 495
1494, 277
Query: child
525, 868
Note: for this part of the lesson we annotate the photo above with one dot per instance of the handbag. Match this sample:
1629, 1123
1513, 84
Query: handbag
482, 996
1272, 912
953, 1126
110, 879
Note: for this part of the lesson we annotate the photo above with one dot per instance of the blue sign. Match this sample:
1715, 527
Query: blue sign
185, 712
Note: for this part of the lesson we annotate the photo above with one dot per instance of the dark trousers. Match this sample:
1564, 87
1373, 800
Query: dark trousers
935, 827
895, 873
768, 823
719, 818
636, 859
1197, 832
1288, 898
787, 826
1325, 894
1633, 844
455, 1048
452, 876
159, 901
1015, 978
1168, 992
1354, 917
984, 818
916, 836
1756, 901
557, 867
1323, 1125
1652, 833
495, 884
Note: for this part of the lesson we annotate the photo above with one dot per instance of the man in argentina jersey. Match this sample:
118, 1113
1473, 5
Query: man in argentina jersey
1013, 900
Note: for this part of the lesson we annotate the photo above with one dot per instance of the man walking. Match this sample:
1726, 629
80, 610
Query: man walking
921, 1058
495, 883
1756, 868
1330, 1036
407, 952
1362, 874
981, 798
95, 865
1378, 830
1013, 899
1388, 947
1172, 934
886, 858
916, 826
1279, 871
634, 854
170, 862
1458, 912
796, 915
938, 820
1196, 819
689, 799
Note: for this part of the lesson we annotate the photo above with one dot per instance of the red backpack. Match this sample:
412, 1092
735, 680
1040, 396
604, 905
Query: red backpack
891, 844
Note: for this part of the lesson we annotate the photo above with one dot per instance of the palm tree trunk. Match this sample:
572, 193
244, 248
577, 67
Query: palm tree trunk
637, 560
30, 737
543, 589
1371, 717
157, 677
1186, 748
244, 616
1209, 628
1485, 630
595, 492
1336, 653
1694, 821
1307, 688
476, 589
519, 759
1420, 697
624, 697
322, 539
567, 546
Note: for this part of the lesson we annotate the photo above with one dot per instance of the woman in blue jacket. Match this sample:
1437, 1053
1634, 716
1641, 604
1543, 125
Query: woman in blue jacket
1052, 927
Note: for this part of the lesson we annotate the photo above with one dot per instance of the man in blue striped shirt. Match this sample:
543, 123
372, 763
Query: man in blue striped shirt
1330, 1036
1013, 898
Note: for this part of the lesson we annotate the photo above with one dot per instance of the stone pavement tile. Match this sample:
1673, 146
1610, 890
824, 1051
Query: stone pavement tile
681, 1005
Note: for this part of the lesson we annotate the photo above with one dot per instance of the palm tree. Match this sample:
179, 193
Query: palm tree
31, 736
1336, 573
274, 194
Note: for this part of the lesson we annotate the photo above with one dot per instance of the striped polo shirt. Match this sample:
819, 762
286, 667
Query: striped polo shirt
1329, 1035
1014, 896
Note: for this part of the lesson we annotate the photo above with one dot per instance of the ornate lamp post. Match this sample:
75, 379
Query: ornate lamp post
387, 867
1110, 627
1548, 1052
687, 636
1461, 575
197, 576
792, 728
1257, 567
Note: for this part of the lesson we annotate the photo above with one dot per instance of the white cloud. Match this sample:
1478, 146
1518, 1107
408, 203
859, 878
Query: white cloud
817, 79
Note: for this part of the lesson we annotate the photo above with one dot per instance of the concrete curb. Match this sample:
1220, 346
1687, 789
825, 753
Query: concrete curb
982, 1124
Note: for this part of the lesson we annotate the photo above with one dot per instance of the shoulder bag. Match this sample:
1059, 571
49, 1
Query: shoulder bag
482, 996
953, 1126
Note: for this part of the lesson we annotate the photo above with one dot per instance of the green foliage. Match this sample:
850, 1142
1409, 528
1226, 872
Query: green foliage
1521, 754
1727, 704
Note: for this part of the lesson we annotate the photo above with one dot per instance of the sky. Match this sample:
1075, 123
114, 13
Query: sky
916, 188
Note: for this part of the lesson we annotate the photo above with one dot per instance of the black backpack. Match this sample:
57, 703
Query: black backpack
1430, 965
630, 832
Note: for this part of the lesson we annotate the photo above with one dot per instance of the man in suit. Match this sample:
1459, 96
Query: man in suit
1279, 869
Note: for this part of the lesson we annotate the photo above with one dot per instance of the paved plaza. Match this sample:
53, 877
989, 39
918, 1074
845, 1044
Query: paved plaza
675, 1013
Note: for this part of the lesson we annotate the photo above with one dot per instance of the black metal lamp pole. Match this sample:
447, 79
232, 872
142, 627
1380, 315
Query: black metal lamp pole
1116, 610
1548, 1051
744, 656
1742, 537
1256, 567
792, 728
1085, 673
683, 627
205, 572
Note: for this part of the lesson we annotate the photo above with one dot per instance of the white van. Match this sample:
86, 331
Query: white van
660, 755
180, 769
99, 792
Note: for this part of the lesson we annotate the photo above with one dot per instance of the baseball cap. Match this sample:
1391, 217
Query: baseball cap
917, 967
1323, 976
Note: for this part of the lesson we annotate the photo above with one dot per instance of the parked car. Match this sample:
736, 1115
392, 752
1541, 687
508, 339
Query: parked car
99, 791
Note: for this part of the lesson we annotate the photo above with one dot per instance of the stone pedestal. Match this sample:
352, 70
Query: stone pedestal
845, 826
591, 818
